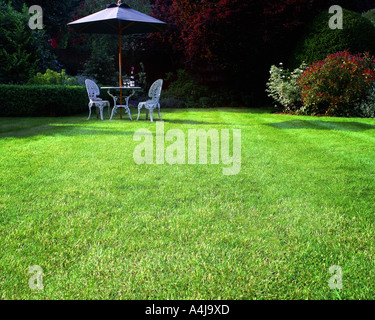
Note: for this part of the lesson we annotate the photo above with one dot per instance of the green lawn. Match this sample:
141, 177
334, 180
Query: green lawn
73, 201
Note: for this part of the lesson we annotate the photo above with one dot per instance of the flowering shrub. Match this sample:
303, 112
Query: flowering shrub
282, 87
332, 86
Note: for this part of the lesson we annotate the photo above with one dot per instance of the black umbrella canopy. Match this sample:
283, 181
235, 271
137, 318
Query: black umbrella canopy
118, 19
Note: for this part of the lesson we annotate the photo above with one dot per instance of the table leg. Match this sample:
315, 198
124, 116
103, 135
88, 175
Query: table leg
114, 104
120, 104
127, 104
127, 107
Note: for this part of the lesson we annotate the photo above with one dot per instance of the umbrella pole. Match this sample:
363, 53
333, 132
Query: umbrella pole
120, 70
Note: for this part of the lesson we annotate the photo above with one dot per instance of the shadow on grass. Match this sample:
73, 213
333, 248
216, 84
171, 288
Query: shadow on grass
32, 127
192, 122
247, 110
323, 125
56, 129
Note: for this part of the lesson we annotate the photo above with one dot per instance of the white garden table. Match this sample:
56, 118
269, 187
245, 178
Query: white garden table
115, 98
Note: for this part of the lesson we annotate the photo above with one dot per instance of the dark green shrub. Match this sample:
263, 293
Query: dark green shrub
35, 101
186, 92
357, 35
186, 89
370, 15
366, 107
102, 66
205, 102
171, 102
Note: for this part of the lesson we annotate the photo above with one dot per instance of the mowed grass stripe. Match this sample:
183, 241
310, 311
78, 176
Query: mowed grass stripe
74, 202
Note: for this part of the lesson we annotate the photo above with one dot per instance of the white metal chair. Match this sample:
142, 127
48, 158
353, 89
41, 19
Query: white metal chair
93, 92
154, 93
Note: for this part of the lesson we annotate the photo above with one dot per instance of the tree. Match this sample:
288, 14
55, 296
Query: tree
239, 38
23, 51
223, 37
56, 14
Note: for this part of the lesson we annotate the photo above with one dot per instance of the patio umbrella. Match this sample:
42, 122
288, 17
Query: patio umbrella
118, 19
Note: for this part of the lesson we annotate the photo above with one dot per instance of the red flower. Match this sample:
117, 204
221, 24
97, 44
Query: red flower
53, 42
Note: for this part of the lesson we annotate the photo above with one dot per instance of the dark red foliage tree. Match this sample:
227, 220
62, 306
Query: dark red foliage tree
239, 38
212, 34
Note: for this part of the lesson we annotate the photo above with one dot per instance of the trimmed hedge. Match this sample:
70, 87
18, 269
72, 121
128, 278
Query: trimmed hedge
39, 101
357, 35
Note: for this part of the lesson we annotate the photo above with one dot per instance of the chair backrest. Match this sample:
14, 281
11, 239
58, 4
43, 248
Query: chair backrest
155, 90
92, 89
